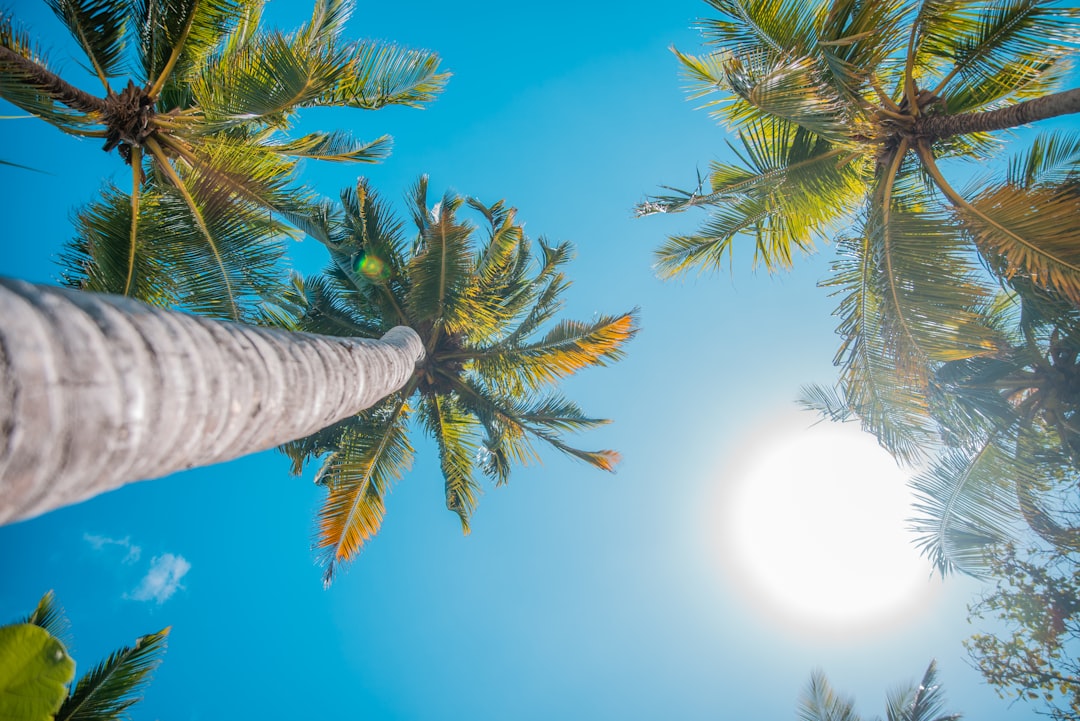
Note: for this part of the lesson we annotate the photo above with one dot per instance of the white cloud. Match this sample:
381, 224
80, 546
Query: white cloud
162, 580
99, 542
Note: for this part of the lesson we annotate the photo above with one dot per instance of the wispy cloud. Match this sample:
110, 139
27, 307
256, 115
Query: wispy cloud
99, 542
162, 580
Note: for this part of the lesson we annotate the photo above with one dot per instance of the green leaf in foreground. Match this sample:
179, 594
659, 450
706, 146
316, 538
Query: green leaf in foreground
35, 670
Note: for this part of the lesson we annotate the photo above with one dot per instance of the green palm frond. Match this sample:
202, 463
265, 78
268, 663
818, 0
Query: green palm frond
750, 27
1004, 49
819, 702
100, 28
792, 89
929, 291
857, 40
512, 423
171, 264
328, 19
115, 684
328, 312
872, 387
50, 617
271, 76
440, 268
924, 702
377, 75
454, 432
791, 188
337, 147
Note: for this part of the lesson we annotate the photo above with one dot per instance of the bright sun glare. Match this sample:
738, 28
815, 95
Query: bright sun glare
814, 530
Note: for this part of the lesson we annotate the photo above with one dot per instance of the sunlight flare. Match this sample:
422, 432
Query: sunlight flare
814, 530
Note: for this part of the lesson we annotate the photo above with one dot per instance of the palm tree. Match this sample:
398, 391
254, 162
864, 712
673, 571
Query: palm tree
103, 390
1005, 426
845, 111
204, 124
1012, 426
111, 687
483, 390
915, 703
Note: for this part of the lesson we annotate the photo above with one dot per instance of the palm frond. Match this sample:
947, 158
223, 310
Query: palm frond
364, 456
567, 348
1004, 49
376, 75
1015, 240
919, 703
776, 27
266, 79
966, 502
819, 702
454, 432
50, 616
790, 189
328, 19
337, 147
177, 37
116, 683
896, 412
100, 29
440, 268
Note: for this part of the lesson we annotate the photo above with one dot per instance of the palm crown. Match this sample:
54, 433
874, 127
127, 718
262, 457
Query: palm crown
843, 111
203, 124
484, 389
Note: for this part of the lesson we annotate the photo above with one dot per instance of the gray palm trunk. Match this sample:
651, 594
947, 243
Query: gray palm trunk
97, 391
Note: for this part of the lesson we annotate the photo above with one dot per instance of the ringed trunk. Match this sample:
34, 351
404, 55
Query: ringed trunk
97, 391
937, 127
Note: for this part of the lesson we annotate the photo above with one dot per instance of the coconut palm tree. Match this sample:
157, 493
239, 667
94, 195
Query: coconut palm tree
1012, 427
203, 122
111, 687
103, 390
845, 113
1006, 426
482, 308
915, 703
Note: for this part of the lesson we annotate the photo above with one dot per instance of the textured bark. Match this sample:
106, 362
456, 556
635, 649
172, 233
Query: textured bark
936, 127
97, 391
56, 87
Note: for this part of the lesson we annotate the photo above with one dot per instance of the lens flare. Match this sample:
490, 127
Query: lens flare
371, 267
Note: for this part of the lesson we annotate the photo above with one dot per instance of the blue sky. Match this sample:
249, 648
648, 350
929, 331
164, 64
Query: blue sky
578, 595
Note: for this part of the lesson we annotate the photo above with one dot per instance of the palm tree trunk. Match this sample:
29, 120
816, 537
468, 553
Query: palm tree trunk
97, 391
56, 87
936, 127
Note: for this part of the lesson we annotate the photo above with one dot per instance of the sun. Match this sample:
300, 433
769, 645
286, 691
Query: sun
813, 530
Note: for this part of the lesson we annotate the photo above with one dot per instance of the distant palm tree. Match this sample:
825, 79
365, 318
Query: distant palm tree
203, 125
106, 691
1012, 427
915, 703
101, 390
844, 110
483, 390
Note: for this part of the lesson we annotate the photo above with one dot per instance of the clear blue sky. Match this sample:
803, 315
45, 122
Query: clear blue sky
579, 595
